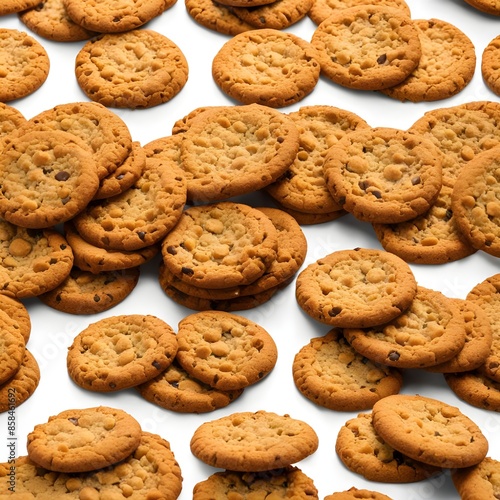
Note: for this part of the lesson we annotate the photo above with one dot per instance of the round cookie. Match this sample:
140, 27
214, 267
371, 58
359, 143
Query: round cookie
253, 441
105, 16
383, 175
10, 120
47, 179
363, 452
83, 292
12, 347
49, 20
431, 238
429, 430
480, 481
28, 64
489, 66
277, 15
286, 482
97, 260
13, 6
225, 350
119, 352
322, 9
330, 373
354, 493
302, 187
475, 388
220, 245
446, 67
243, 70
139, 217
19, 388
216, 17
150, 471
18, 312
475, 203
430, 331
82, 440
176, 390
308, 218
143, 68
33, 261
236, 150
491, 7
356, 288
485, 295
478, 339
354, 49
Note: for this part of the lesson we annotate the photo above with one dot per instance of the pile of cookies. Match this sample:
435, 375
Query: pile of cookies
94, 453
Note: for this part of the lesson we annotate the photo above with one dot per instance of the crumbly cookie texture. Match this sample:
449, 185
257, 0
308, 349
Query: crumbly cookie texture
119, 352
14, 6
429, 430
480, 481
81, 440
489, 68
363, 287
354, 493
253, 441
367, 47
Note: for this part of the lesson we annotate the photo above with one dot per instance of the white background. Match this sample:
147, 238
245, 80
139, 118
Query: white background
52, 331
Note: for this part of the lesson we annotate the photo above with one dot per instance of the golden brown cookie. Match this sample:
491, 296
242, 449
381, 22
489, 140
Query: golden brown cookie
491, 7
13, 6
489, 66
243, 70
119, 352
18, 312
10, 119
82, 440
354, 493
12, 347
479, 481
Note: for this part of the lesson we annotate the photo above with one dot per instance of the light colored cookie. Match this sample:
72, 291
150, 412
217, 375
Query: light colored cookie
354, 493
479, 481
10, 119
491, 7
253, 441
18, 312
13, 6
12, 347
489, 67
82, 440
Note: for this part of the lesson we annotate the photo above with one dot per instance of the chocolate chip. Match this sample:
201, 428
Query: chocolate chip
97, 298
65, 199
448, 215
377, 194
334, 311
416, 180
364, 185
73, 420
393, 356
62, 176
141, 235
280, 139
382, 59
187, 271
156, 365
171, 250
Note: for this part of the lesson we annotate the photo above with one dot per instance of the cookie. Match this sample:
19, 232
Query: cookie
182, 125
18, 313
28, 64
235, 151
485, 295
489, 68
33, 261
364, 452
302, 187
12, 347
139, 217
98, 260
321, 9
363, 287
354, 493
150, 471
479, 481
474, 202
253, 441
107, 17
176, 390
430, 331
220, 245
84, 292
354, 48
125, 175
216, 16
13, 6
285, 482
330, 373
475, 388
491, 7
478, 339
20, 387
82, 440
429, 430
308, 218
224, 350
119, 352
49, 20
277, 15
10, 119
243, 70
47, 179
245, 3
446, 67
431, 238
143, 68
105, 132
383, 175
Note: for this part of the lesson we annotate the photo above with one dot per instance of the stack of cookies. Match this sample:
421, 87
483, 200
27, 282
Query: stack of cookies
258, 451
226, 256
98, 452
